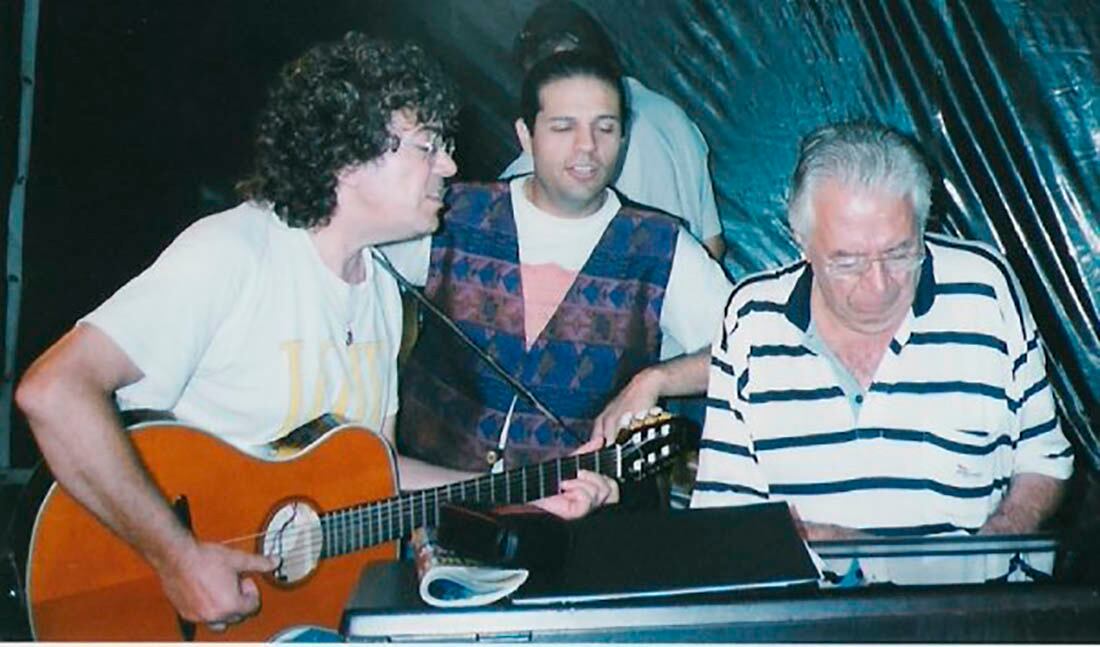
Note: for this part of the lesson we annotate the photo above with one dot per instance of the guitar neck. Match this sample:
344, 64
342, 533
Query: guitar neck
350, 529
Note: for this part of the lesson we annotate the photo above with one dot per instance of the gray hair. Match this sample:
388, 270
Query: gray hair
858, 154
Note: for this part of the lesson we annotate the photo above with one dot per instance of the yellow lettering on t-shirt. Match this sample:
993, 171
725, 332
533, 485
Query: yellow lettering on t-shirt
371, 378
292, 350
346, 381
320, 386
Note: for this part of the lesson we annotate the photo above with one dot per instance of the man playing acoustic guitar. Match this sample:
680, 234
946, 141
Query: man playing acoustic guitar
263, 317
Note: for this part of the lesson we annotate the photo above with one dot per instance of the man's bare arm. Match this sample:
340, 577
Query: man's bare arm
415, 474
1031, 500
67, 396
685, 375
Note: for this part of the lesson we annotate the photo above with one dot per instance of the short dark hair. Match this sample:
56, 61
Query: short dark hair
561, 25
568, 65
332, 108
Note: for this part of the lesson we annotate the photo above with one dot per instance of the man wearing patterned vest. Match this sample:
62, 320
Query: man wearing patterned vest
568, 285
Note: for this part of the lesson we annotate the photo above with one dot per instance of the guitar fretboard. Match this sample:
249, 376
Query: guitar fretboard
351, 529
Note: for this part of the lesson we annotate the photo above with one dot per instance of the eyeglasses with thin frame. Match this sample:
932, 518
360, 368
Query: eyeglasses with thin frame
435, 145
895, 263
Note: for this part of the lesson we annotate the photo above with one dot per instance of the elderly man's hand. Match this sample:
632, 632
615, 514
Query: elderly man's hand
583, 494
814, 531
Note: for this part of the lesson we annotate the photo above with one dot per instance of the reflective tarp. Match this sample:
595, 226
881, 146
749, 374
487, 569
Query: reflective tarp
1001, 95
144, 110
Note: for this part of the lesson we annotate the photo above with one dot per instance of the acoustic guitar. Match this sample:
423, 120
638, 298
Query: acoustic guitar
324, 513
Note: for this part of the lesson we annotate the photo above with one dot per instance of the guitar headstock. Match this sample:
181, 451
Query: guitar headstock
649, 444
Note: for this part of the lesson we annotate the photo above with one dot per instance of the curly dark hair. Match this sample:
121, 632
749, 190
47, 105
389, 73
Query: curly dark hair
331, 109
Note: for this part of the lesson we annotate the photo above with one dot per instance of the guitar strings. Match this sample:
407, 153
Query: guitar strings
361, 520
406, 505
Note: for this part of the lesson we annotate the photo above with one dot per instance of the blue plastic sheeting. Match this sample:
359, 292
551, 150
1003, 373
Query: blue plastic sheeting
1001, 95
145, 110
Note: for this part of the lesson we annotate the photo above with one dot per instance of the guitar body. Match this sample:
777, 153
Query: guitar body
84, 583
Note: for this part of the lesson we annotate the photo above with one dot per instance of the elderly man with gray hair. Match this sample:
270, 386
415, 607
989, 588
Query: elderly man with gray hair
891, 382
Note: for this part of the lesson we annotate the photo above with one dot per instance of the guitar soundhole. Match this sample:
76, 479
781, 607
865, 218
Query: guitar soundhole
294, 537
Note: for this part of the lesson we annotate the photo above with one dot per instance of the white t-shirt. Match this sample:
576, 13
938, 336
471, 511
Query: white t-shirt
697, 288
240, 329
665, 165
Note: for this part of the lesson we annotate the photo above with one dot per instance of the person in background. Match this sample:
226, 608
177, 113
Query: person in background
665, 160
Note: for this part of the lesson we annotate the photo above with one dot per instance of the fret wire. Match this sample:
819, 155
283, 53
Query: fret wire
339, 539
356, 528
534, 479
383, 521
336, 533
395, 508
364, 529
329, 548
343, 545
400, 518
331, 536
345, 529
376, 536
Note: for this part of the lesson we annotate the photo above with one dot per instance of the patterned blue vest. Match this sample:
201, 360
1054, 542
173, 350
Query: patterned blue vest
453, 406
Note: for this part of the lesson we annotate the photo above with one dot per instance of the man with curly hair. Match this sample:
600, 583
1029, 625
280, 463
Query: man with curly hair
263, 317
